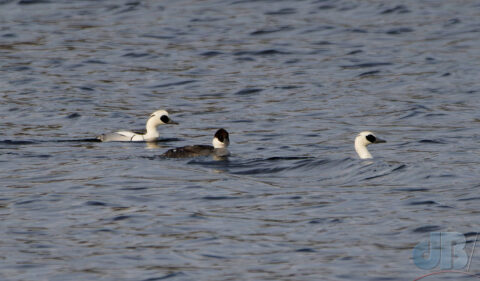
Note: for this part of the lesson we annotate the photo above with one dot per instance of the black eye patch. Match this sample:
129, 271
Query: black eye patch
371, 138
165, 119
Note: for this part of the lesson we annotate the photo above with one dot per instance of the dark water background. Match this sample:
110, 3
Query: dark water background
293, 82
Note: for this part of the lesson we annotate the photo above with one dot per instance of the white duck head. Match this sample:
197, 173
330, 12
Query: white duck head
364, 139
158, 118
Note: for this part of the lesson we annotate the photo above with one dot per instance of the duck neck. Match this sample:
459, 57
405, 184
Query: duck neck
362, 150
152, 131
218, 144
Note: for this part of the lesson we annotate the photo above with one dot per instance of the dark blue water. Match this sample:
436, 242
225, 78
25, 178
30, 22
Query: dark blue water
292, 81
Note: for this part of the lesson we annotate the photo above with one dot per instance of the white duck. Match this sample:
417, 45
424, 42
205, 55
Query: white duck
364, 139
156, 119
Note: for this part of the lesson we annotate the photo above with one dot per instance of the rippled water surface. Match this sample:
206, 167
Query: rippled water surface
292, 81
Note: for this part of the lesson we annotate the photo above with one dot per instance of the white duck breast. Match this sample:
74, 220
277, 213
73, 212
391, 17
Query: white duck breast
364, 139
156, 119
220, 143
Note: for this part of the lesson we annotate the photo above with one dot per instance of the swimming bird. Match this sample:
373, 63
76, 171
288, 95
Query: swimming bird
220, 143
156, 119
362, 140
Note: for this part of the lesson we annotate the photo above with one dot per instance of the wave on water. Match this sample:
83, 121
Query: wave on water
308, 169
31, 142
16, 142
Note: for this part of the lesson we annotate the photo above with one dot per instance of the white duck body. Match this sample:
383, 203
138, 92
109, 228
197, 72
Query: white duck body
364, 139
156, 119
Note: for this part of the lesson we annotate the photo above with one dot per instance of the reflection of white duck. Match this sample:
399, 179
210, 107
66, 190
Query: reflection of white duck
156, 119
362, 141
220, 143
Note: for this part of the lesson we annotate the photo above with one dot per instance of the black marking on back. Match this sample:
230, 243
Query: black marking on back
222, 135
165, 119
371, 138
140, 132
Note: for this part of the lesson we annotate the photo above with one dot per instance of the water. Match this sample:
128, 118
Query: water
292, 81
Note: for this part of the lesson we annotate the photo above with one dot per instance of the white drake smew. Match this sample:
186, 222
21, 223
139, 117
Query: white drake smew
156, 119
364, 139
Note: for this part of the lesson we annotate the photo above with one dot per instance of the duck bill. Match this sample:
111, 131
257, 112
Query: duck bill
171, 122
380, 140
